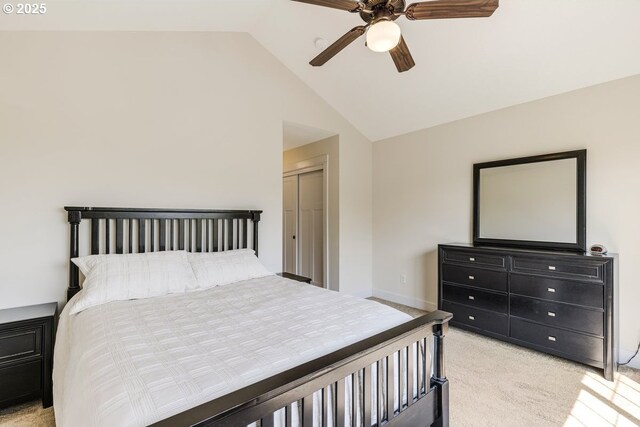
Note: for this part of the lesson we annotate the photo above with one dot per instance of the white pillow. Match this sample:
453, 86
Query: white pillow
221, 268
132, 276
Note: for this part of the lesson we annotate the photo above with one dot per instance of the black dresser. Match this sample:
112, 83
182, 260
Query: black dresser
559, 303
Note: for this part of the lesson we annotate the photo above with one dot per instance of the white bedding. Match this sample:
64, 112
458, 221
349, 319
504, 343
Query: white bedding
131, 363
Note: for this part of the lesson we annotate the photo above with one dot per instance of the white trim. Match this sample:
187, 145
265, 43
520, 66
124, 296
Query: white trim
285, 237
319, 163
361, 294
303, 170
626, 355
405, 300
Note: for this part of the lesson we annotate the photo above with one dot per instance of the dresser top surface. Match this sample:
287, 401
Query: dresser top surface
32, 312
528, 251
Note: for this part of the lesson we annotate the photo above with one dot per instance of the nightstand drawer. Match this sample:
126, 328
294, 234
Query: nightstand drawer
20, 381
20, 343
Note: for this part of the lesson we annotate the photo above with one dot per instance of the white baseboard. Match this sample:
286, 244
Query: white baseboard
361, 294
626, 355
405, 300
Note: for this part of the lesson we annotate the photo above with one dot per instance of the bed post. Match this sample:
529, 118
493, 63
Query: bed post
255, 218
74, 280
439, 376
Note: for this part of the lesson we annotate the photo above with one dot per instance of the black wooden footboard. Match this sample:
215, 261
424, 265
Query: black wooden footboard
411, 342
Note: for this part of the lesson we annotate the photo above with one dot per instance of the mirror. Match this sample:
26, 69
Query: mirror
534, 202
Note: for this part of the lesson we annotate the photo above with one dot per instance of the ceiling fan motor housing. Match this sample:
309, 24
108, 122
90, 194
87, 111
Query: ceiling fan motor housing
382, 9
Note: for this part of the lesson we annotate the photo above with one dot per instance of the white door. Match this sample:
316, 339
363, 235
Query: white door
311, 226
290, 225
303, 225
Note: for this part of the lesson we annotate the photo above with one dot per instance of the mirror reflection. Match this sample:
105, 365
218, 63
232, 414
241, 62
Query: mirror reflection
533, 201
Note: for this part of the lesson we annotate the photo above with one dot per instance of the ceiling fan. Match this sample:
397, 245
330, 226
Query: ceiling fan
384, 35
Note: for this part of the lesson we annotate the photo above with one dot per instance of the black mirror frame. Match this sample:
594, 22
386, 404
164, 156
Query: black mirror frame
580, 244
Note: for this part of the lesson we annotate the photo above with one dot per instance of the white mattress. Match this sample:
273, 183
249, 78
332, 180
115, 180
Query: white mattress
131, 363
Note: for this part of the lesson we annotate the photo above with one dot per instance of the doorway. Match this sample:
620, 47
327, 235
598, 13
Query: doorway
304, 224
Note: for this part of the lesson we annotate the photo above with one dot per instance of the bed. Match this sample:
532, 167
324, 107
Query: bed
267, 351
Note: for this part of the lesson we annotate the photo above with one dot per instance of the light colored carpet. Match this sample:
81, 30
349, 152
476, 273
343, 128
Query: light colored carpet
494, 384
27, 415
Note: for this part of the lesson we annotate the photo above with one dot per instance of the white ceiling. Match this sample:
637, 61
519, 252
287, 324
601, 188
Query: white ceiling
529, 49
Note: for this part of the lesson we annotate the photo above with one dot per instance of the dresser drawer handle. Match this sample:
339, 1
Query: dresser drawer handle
472, 298
552, 338
552, 290
472, 318
552, 268
472, 259
551, 314
472, 278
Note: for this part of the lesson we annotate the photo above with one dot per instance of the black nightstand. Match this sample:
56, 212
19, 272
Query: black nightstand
295, 277
26, 353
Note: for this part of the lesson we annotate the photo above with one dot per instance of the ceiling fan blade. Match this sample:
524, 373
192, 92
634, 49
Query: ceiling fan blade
348, 5
442, 9
336, 47
402, 57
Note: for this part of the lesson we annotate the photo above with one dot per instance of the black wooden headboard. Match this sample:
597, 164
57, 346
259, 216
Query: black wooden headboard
135, 230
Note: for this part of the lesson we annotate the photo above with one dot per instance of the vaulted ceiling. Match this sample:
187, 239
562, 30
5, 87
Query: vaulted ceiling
529, 49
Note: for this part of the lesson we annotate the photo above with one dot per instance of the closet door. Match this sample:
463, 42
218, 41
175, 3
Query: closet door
311, 226
290, 226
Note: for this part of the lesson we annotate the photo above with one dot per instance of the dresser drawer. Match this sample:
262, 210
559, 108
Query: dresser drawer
477, 318
570, 343
549, 288
472, 258
579, 270
476, 277
20, 381
476, 298
20, 343
558, 314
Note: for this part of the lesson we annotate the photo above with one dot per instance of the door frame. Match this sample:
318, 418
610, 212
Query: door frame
295, 181
319, 163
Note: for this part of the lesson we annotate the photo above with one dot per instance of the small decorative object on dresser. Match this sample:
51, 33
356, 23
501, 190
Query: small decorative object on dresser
295, 277
557, 302
26, 353
598, 249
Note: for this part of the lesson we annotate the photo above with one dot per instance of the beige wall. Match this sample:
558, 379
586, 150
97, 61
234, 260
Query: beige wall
356, 193
151, 119
423, 180
295, 159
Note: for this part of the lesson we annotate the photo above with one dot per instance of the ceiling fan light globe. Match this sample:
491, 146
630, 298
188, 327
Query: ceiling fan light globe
383, 36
